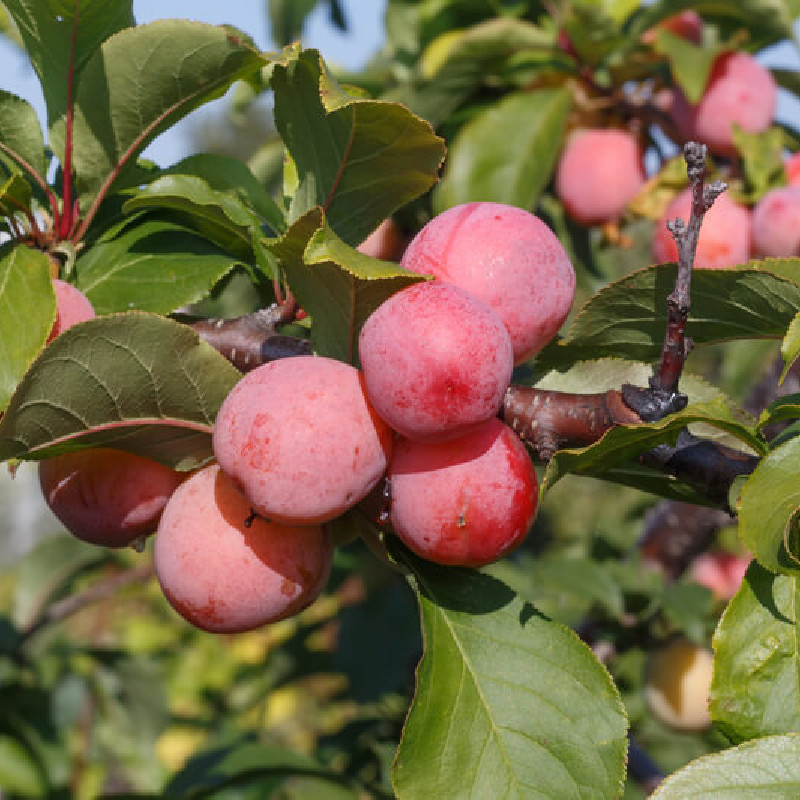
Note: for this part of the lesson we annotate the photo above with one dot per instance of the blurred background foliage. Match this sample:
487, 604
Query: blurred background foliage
105, 691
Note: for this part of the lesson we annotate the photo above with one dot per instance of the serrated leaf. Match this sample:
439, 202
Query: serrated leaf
768, 504
756, 687
543, 720
337, 285
21, 134
27, 313
627, 319
517, 172
135, 381
140, 82
154, 265
47, 28
767, 768
625, 442
357, 159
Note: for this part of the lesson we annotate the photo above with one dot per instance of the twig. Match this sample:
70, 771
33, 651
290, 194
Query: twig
59, 611
252, 340
549, 421
677, 345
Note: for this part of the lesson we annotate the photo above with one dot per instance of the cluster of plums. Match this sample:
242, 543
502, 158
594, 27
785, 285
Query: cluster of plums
300, 441
601, 170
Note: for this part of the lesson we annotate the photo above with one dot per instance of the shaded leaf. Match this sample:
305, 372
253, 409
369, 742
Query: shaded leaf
762, 160
763, 768
286, 18
27, 313
756, 686
628, 318
224, 766
357, 159
153, 265
15, 196
141, 82
767, 507
135, 381
45, 573
337, 285
226, 174
543, 720
516, 172
21, 133
47, 27
625, 442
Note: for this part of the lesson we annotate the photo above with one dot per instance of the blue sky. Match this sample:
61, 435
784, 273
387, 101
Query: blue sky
351, 50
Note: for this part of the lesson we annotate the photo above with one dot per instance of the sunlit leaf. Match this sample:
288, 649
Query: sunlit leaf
756, 686
27, 313
507, 703
517, 172
357, 159
21, 135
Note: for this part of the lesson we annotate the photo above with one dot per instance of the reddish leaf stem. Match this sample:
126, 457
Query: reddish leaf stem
37, 179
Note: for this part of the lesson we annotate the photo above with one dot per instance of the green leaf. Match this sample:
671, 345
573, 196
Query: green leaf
27, 313
15, 196
516, 172
625, 442
768, 19
756, 687
628, 318
20, 774
768, 504
337, 285
458, 63
219, 216
690, 64
357, 159
226, 174
762, 160
152, 265
216, 769
783, 409
142, 81
790, 346
286, 18
47, 28
46, 572
21, 135
766, 769
135, 381
507, 703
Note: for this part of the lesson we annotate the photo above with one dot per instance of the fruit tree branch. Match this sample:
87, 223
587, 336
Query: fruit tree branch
677, 345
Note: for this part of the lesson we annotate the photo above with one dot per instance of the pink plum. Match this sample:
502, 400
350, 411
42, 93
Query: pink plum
739, 90
107, 497
72, 307
724, 237
226, 571
467, 501
776, 223
300, 439
506, 257
437, 361
599, 173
